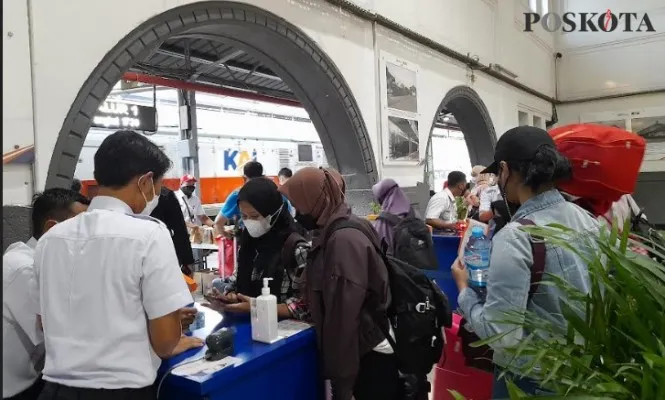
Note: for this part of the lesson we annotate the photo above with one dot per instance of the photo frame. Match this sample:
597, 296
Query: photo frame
400, 115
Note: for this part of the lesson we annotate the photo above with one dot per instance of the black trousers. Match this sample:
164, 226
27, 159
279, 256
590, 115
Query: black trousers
378, 378
54, 391
30, 393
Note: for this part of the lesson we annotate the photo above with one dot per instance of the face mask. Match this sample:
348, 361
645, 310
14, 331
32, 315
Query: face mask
259, 227
152, 204
307, 221
188, 190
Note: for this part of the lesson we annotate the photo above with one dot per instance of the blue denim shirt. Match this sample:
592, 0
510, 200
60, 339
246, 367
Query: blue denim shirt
510, 272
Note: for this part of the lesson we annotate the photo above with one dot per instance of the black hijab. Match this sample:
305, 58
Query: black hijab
263, 253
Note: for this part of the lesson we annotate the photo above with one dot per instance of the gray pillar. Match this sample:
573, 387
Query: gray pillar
189, 132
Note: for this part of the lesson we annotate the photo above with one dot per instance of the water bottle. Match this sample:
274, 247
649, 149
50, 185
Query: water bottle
477, 260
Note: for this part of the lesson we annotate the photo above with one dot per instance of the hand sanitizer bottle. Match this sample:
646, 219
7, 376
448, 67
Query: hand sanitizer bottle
264, 315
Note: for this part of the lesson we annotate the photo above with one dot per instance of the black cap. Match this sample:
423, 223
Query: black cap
519, 144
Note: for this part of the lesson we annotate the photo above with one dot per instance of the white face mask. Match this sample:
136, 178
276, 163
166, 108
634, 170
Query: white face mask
152, 204
259, 227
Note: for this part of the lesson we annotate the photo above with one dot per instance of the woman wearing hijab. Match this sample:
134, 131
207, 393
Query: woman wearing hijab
270, 247
347, 282
393, 201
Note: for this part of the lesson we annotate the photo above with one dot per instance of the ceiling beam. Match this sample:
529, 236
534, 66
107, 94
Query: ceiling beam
174, 51
216, 64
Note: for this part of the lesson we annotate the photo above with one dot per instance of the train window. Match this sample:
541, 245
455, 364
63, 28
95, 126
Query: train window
305, 153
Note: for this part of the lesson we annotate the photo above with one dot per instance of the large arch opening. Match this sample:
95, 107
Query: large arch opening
462, 116
279, 46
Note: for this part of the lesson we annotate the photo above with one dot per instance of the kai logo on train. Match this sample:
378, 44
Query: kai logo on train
236, 159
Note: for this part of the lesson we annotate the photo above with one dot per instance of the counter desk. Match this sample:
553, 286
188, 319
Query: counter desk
287, 369
446, 246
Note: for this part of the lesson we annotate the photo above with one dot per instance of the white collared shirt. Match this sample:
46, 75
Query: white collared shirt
20, 334
191, 207
442, 206
488, 196
101, 276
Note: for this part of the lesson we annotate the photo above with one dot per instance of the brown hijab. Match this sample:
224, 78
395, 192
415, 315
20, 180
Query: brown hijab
315, 191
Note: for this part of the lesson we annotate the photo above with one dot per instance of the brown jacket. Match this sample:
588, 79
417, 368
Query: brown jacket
345, 279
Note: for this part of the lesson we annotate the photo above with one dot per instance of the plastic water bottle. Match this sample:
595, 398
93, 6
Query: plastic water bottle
477, 260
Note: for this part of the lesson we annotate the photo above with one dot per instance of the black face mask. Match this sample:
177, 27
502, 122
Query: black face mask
188, 190
307, 221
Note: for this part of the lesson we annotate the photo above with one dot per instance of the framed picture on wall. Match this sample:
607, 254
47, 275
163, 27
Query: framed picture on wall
403, 140
648, 123
400, 117
653, 130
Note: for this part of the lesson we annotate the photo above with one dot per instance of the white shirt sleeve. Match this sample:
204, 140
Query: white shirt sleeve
164, 289
487, 196
437, 204
24, 307
198, 207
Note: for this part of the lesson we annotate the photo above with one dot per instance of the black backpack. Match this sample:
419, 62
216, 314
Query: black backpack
412, 241
418, 312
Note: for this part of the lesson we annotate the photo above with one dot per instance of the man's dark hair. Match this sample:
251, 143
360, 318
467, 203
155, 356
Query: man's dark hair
253, 169
76, 185
285, 172
53, 204
125, 155
455, 178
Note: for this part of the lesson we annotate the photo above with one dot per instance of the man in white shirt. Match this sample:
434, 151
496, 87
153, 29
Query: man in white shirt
442, 209
190, 204
22, 340
108, 284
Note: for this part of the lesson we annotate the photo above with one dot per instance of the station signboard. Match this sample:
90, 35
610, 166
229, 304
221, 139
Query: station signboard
117, 115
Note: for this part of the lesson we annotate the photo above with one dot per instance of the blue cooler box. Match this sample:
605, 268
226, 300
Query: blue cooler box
446, 247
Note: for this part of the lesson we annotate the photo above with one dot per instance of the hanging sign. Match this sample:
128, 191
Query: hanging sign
115, 115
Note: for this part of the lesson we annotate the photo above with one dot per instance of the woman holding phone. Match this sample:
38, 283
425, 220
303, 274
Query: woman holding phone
270, 247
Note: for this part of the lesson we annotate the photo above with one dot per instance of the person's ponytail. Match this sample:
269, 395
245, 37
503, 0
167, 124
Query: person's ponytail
548, 166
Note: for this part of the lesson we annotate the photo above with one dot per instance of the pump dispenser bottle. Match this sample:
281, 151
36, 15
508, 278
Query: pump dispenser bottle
264, 315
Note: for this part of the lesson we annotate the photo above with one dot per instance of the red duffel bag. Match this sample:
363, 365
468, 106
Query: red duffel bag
606, 160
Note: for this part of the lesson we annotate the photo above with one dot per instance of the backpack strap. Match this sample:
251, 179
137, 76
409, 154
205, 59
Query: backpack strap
191, 217
392, 219
289, 248
538, 252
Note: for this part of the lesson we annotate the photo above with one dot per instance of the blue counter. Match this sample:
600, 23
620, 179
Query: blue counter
287, 369
446, 247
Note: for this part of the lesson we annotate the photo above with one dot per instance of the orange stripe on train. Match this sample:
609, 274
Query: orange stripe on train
213, 190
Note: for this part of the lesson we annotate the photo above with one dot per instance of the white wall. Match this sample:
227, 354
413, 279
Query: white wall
489, 29
437, 75
604, 63
618, 109
63, 58
17, 129
16, 185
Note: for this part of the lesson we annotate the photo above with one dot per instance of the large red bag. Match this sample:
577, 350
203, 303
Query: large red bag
451, 373
606, 160
226, 257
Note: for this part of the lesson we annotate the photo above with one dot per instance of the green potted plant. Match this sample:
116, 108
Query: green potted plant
614, 346
376, 210
462, 208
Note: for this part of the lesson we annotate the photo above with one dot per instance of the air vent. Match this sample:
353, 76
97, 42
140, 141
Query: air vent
305, 153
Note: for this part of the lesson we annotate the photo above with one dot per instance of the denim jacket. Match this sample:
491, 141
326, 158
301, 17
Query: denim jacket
510, 273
